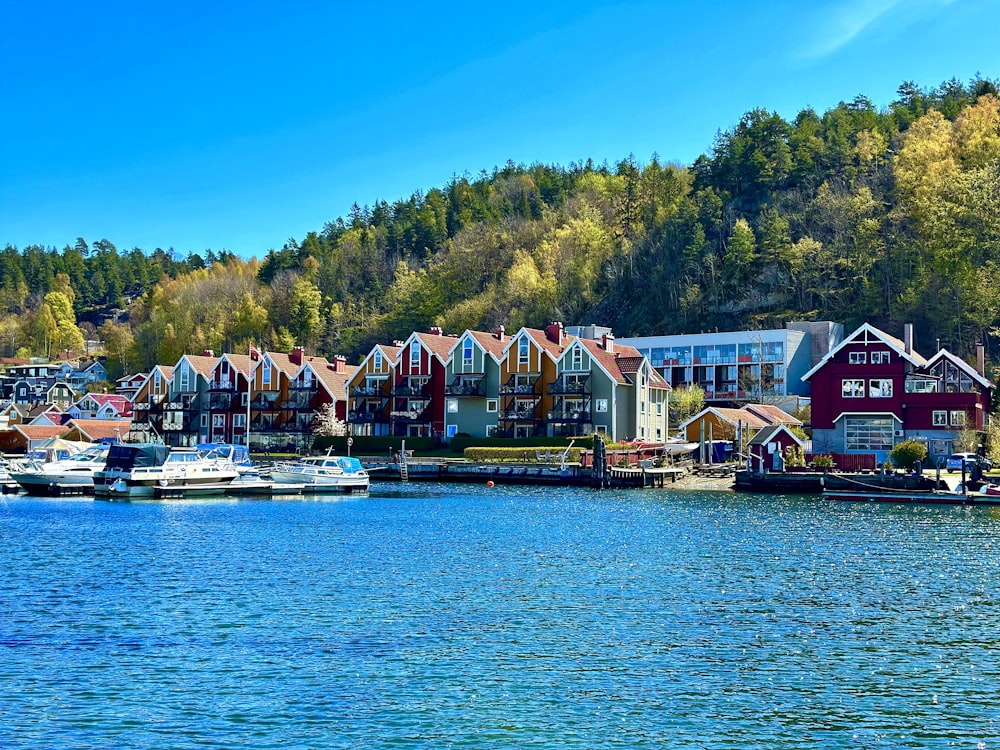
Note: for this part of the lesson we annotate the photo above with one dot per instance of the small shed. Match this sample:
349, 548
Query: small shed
767, 448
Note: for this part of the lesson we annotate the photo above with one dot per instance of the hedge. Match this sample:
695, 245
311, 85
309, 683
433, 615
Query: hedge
485, 454
460, 443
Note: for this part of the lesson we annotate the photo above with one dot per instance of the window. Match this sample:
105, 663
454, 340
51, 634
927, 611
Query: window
601, 405
185, 378
452, 405
377, 361
858, 358
491, 430
239, 420
868, 433
659, 408
958, 419
577, 360
940, 418
218, 420
880, 388
452, 430
492, 404
265, 375
204, 420
522, 351
880, 358
414, 356
467, 353
851, 388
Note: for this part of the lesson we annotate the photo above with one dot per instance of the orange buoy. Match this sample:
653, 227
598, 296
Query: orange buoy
489, 483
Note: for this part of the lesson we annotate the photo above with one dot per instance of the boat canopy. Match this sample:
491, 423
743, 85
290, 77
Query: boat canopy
129, 456
238, 454
349, 463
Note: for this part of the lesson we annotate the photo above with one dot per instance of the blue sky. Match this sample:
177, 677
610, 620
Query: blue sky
237, 125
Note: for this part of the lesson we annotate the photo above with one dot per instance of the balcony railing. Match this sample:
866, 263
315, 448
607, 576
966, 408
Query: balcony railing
466, 387
220, 401
518, 415
367, 417
411, 391
298, 402
368, 391
411, 417
514, 387
578, 417
569, 385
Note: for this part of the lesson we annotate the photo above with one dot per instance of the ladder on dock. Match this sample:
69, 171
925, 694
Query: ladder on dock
404, 474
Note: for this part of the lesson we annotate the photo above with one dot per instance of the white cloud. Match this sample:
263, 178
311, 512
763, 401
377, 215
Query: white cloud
840, 24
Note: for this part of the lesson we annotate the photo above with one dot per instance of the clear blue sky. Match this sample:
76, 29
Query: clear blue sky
237, 125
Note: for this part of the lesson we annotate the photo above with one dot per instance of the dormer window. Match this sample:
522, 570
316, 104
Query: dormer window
415, 356
377, 361
522, 351
467, 353
577, 359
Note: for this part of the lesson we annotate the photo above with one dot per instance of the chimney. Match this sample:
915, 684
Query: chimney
608, 340
554, 332
296, 356
340, 363
208, 353
908, 338
436, 331
981, 360
500, 333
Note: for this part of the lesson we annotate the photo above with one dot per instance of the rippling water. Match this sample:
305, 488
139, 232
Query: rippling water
459, 617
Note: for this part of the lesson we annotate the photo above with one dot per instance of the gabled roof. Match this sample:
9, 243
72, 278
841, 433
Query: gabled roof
732, 416
766, 434
609, 361
437, 344
201, 364
488, 342
869, 331
961, 364
772, 414
334, 382
283, 362
41, 431
542, 341
239, 362
98, 429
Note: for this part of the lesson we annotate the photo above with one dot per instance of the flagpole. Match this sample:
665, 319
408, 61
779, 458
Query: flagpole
246, 430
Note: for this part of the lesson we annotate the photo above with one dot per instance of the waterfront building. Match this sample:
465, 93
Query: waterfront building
527, 369
874, 390
183, 415
228, 397
472, 383
369, 392
418, 385
609, 388
734, 366
147, 405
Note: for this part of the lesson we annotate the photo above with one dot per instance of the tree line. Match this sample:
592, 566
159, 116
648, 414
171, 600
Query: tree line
887, 215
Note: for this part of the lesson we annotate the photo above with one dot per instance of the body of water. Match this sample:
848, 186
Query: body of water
455, 616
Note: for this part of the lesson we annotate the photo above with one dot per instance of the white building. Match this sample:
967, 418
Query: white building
742, 365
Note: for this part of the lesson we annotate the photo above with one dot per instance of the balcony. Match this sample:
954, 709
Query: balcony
570, 384
368, 391
265, 402
367, 417
518, 385
412, 416
299, 402
575, 417
221, 401
182, 402
518, 415
463, 385
416, 390
222, 385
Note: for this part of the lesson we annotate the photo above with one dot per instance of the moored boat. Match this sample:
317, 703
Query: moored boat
145, 470
327, 473
72, 475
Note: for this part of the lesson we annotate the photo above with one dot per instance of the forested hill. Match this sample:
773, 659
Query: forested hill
856, 214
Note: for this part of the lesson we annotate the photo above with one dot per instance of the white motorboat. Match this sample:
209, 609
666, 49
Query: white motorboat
72, 475
326, 473
147, 470
7, 483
